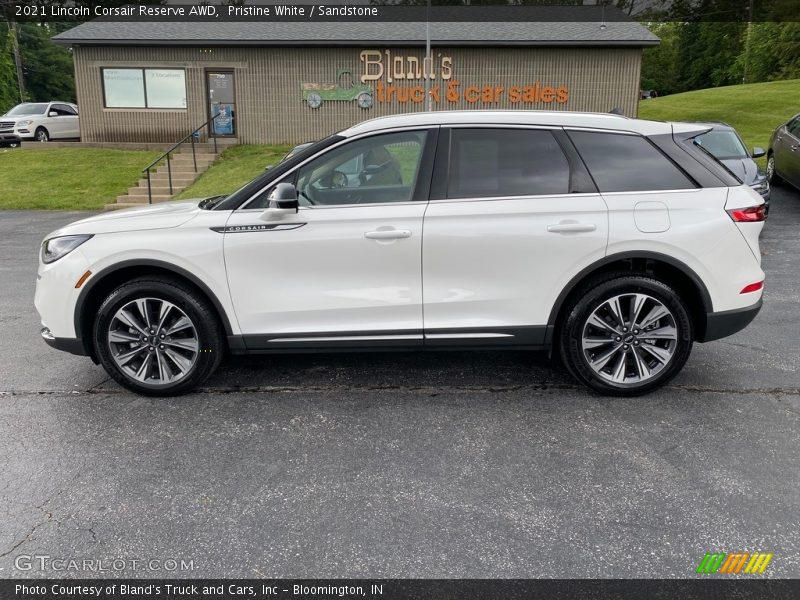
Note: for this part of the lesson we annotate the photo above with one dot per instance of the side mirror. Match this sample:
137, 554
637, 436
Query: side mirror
52, 113
758, 152
282, 202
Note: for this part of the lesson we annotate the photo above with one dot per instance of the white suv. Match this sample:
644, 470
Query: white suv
42, 121
614, 243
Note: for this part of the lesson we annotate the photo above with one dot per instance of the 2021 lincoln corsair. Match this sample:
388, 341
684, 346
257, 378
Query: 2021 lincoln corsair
614, 243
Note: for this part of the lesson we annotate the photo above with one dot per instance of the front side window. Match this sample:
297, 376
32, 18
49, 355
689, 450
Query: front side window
63, 110
627, 163
144, 88
378, 169
506, 162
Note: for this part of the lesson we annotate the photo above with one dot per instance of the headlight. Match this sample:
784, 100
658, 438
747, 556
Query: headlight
24, 123
58, 247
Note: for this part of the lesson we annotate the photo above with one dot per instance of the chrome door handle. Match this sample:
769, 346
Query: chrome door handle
388, 234
571, 227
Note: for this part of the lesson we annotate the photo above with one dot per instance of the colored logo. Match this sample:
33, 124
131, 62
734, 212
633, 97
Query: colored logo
734, 562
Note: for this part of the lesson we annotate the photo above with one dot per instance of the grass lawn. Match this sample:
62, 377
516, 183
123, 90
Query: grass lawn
755, 110
68, 178
236, 166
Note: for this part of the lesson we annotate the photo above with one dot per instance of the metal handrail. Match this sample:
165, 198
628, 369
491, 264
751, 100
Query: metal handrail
172, 149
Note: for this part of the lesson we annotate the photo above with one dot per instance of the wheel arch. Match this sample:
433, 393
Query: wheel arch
670, 270
100, 285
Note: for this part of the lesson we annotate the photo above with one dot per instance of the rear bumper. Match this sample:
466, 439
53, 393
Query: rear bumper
723, 324
71, 345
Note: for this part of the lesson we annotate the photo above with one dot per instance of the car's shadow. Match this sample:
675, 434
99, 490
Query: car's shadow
386, 370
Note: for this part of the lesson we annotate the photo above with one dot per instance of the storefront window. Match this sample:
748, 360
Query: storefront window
124, 88
144, 88
166, 88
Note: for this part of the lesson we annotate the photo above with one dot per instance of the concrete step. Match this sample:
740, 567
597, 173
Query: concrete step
181, 168
142, 198
160, 190
187, 159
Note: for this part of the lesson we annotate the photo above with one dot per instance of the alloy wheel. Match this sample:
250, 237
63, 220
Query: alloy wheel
629, 339
152, 341
770, 168
41, 136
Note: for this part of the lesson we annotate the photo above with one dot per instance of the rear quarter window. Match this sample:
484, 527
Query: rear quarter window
627, 163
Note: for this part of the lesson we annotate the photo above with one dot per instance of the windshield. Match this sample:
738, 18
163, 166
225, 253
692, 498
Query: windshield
296, 150
29, 108
723, 145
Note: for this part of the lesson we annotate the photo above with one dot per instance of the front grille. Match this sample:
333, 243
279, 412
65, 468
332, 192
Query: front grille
6, 125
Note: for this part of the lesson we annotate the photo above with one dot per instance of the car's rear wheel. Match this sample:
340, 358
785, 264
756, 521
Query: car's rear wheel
626, 335
772, 174
157, 337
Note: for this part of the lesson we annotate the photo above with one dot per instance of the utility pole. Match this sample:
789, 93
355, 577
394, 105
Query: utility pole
428, 61
747, 42
17, 60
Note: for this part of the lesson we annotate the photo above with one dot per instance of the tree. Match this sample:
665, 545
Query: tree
9, 92
47, 67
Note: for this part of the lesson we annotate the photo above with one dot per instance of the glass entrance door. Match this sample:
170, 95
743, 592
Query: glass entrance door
221, 102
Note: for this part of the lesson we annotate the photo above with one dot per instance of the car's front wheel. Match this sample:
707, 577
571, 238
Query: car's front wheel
626, 335
42, 135
772, 174
157, 337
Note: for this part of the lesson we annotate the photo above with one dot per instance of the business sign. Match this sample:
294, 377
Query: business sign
401, 78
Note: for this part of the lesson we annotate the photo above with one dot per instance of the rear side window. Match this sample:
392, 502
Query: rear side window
627, 163
487, 163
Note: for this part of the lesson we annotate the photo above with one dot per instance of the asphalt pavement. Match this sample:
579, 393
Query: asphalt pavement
399, 465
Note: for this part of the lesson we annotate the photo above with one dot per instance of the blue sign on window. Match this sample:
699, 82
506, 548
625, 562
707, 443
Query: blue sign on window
223, 122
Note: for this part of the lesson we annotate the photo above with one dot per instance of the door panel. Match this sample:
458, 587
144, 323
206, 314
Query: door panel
515, 218
782, 148
495, 264
792, 154
348, 264
328, 276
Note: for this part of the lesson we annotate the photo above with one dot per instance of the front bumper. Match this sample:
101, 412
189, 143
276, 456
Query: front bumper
6, 139
725, 323
71, 345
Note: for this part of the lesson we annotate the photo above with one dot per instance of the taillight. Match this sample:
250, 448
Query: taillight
752, 214
753, 287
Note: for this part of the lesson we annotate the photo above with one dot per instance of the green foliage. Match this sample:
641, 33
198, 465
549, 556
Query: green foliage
47, 67
68, 178
698, 55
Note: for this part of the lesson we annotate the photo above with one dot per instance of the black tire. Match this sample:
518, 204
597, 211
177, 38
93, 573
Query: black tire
772, 174
42, 135
592, 297
209, 333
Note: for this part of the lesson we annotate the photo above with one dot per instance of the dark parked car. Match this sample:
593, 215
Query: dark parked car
724, 143
783, 156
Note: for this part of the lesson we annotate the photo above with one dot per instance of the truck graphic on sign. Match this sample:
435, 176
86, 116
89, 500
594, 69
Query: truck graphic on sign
344, 90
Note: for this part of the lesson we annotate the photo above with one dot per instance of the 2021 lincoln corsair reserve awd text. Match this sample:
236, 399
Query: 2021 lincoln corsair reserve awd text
614, 243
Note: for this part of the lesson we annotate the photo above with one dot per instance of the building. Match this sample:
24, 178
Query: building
295, 81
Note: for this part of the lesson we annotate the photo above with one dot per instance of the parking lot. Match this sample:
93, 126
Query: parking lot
402, 465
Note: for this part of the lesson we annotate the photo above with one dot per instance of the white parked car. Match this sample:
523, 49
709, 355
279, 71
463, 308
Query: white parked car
614, 243
42, 121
